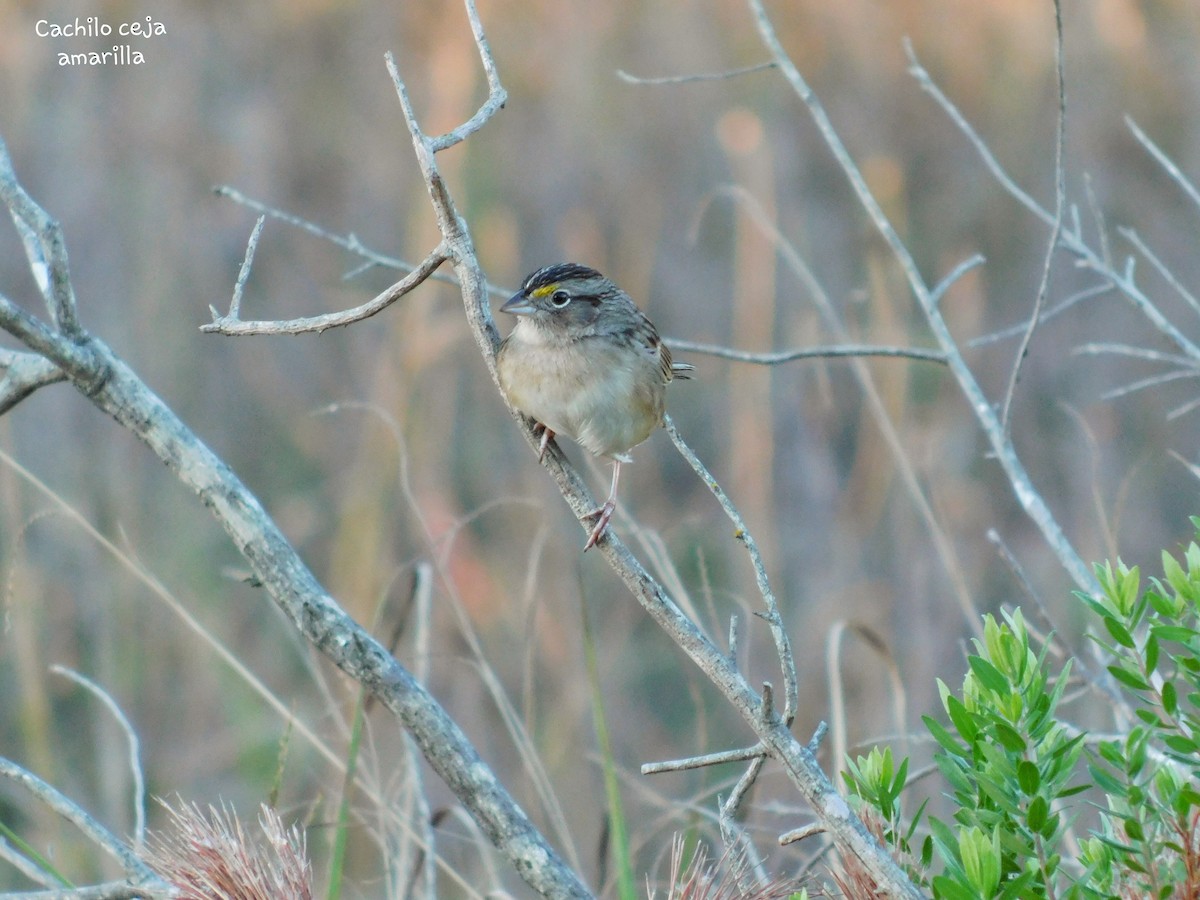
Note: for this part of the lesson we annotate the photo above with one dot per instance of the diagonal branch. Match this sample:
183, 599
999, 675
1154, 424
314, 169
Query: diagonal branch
115, 389
1123, 281
137, 872
44, 247
24, 373
1031, 501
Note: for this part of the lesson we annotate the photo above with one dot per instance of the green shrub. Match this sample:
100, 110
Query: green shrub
1020, 777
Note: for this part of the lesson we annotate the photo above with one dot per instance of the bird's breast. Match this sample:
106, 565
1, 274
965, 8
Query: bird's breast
605, 397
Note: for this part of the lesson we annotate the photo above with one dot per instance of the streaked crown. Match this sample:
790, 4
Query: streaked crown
582, 279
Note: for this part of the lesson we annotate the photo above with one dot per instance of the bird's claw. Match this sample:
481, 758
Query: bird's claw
547, 436
605, 514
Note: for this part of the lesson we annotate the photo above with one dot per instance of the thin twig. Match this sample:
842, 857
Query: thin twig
135, 761
1165, 161
1103, 347
24, 373
799, 834
708, 759
44, 247
1151, 382
880, 414
137, 871
774, 358
783, 647
733, 835
1020, 328
940, 289
1134, 238
239, 286
496, 98
1060, 199
1122, 281
232, 325
701, 76
349, 242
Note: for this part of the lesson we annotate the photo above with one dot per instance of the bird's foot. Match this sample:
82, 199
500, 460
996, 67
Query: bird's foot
605, 514
547, 437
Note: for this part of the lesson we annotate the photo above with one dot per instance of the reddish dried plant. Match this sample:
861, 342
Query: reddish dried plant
212, 857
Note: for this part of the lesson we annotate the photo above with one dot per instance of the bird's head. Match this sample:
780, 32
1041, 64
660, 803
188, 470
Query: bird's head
563, 298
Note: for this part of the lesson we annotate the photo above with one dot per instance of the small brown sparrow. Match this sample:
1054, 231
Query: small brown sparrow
584, 361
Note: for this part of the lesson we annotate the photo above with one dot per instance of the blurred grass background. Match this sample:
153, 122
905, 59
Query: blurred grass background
291, 103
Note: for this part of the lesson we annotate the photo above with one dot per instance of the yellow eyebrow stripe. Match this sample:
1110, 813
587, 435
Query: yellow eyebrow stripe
544, 290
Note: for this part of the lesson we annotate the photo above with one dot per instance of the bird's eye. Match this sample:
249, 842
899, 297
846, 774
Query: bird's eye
559, 299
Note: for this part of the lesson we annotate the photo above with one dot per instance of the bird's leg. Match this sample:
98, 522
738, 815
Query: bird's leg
547, 437
606, 511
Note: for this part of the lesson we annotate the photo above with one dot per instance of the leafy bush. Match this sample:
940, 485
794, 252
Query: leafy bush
1020, 777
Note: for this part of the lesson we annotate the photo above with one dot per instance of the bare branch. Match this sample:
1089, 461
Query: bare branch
135, 763
1060, 199
1134, 238
1018, 329
75, 359
348, 242
775, 358
496, 98
1165, 161
1123, 281
138, 873
799, 834
689, 79
1152, 381
708, 759
44, 247
783, 645
24, 373
239, 286
1096, 349
232, 325
111, 890
940, 289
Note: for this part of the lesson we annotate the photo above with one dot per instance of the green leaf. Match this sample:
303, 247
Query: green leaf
943, 886
1170, 701
1110, 752
945, 739
1072, 791
962, 718
1129, 679
1036, 817
1150, 717
1028, 777
1180, 744
1119, 632
1009, 737
1150, 652
1161, 604
989, 676
1130, 587
981, 859
1178, 633
1107, 783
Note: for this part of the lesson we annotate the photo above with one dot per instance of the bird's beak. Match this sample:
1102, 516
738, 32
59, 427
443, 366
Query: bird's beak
518, 305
